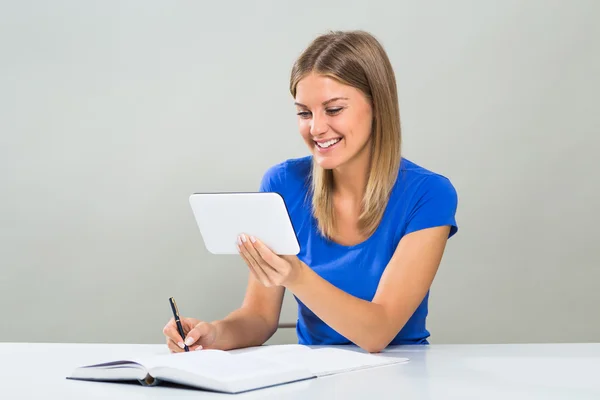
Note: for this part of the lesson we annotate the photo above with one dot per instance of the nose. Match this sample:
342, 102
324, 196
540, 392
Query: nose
318, 125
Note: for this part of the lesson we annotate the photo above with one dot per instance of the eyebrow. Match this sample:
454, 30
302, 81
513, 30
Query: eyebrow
325, 102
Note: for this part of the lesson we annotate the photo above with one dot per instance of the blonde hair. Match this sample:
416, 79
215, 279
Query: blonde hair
357, 59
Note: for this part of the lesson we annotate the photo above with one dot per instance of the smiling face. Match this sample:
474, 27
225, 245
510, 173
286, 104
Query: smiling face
334, 120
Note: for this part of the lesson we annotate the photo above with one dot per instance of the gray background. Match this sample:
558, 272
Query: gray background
113, 112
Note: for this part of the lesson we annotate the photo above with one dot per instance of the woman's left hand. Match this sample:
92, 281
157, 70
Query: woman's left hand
268, 268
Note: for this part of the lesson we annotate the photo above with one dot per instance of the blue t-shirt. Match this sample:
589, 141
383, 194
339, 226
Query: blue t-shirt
419, 199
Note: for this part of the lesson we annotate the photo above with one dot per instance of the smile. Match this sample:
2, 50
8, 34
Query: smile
328, 144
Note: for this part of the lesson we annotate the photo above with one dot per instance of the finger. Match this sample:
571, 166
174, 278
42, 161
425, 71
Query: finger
249, 245
170, 331
248, 263
196, 334
258, 272
274, 274
263, 278
268, 263
266, 254
173, 346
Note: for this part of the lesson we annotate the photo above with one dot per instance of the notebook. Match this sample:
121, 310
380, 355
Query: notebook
235, 371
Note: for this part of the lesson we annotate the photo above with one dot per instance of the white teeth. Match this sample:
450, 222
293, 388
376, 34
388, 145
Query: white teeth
328, 143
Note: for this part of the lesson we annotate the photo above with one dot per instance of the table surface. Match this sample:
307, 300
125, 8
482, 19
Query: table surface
480, 371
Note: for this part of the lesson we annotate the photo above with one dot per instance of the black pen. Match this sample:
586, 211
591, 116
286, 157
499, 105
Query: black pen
177, 321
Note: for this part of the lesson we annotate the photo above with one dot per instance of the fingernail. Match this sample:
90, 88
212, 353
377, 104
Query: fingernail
244, 238
189, 341
252, 239
239, 240
199, 348
180, 344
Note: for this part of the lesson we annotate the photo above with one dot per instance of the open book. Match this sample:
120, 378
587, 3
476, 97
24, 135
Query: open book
235, 371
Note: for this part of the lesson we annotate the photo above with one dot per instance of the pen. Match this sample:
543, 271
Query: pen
177, 321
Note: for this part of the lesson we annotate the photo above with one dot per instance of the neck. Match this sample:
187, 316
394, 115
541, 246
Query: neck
350, 179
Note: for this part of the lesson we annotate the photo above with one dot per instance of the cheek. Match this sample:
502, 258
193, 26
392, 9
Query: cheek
363, 127
304, 129
351, 127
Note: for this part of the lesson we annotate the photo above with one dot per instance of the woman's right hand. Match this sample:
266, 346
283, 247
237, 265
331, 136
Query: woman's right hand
198, 334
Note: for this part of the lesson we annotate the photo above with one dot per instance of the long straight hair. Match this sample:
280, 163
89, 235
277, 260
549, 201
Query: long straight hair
356, 58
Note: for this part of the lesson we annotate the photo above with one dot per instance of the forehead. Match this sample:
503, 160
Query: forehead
315, 89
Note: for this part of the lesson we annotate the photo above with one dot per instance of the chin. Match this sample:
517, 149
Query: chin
326, 162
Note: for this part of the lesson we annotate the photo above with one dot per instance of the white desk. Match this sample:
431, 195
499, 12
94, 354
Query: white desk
536, 371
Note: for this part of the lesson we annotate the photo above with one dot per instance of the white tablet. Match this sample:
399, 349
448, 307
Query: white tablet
221, 217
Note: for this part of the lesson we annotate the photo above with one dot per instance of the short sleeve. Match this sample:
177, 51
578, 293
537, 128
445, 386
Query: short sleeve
265, 183
271, 179
435, 204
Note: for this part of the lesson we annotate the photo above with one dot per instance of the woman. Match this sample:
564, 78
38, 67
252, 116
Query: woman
372, 225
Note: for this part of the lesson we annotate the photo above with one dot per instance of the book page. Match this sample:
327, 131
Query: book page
271, 349
219, 365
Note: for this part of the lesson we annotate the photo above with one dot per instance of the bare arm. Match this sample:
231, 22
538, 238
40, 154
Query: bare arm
370, 324
373, 324
254, 322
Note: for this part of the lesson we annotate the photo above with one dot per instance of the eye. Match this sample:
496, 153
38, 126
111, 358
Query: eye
304, 114
334, 111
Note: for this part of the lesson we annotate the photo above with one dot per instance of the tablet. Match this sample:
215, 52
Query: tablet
221, 217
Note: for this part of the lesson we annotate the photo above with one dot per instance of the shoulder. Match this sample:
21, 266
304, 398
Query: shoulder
413, 178
292, 172
428, 198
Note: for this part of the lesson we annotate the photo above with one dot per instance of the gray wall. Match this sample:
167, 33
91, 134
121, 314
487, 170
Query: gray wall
113, 112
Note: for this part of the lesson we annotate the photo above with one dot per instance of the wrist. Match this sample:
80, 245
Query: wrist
300, 272
218, 332
218, 326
